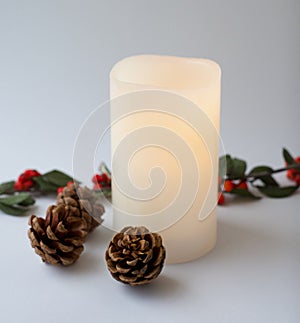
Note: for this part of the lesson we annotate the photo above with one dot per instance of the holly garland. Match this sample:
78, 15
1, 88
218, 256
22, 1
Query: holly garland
16, 197
259, 181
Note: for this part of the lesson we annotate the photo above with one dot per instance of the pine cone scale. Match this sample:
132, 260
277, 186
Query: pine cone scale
33, 240
159, 256
61, 229
152, 274
37, 224
64, 248
47, 249
127, 279
149, 257
49, 259
122, 269
50, 234
132, 263
115, 256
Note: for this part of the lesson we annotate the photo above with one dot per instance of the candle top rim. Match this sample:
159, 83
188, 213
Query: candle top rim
175, 61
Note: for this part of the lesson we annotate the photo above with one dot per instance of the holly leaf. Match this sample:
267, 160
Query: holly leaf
57, 178
288, 157
7, 187
243, 192
236, 168
45, 186
276, 191
27, 202
268, 179
15, 199
12, 210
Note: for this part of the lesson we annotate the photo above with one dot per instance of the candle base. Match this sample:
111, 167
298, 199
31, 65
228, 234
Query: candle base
186, 240
185, 246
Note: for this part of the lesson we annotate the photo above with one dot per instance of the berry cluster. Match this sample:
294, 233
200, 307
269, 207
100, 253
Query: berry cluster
25, 180
229, 186
101, 181
16, 197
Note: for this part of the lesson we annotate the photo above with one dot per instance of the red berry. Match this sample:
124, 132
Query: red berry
70, 183
228, 186
297, 179
290, 174
96, 178
221, 199
23, 185
242, 185
60, 189
18, 186
104, 178
101, 179
29, 173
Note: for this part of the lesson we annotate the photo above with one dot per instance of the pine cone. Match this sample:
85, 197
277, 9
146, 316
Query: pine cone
59, 238
135, 256
83, 203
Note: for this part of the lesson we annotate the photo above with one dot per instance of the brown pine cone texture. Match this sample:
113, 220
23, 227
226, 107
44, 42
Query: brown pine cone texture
59, 238
135, 256
83, 203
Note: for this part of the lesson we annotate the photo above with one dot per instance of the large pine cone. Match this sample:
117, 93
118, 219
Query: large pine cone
83, 203
59, 238
135, 256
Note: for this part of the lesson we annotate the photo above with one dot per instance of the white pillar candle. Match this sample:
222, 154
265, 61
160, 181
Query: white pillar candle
165, 134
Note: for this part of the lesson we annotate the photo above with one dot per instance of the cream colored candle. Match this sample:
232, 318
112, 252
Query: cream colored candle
165, 134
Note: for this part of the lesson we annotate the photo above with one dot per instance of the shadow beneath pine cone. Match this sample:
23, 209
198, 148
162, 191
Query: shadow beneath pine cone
99, 238
85, 265
162, 286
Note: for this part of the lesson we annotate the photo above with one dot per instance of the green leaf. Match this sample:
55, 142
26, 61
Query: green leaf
7, 187
287, 157
57, 178
277, 192
29, 201
104, 169
45, 186
236, 169
12, 210
257, 173
15, 199
243, 192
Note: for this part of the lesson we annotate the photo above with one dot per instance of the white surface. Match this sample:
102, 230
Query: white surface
55, 58
251, 276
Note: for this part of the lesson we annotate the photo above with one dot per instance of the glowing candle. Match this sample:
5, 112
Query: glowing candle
165, 135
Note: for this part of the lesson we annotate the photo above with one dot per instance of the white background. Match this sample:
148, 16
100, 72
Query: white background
55, 58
